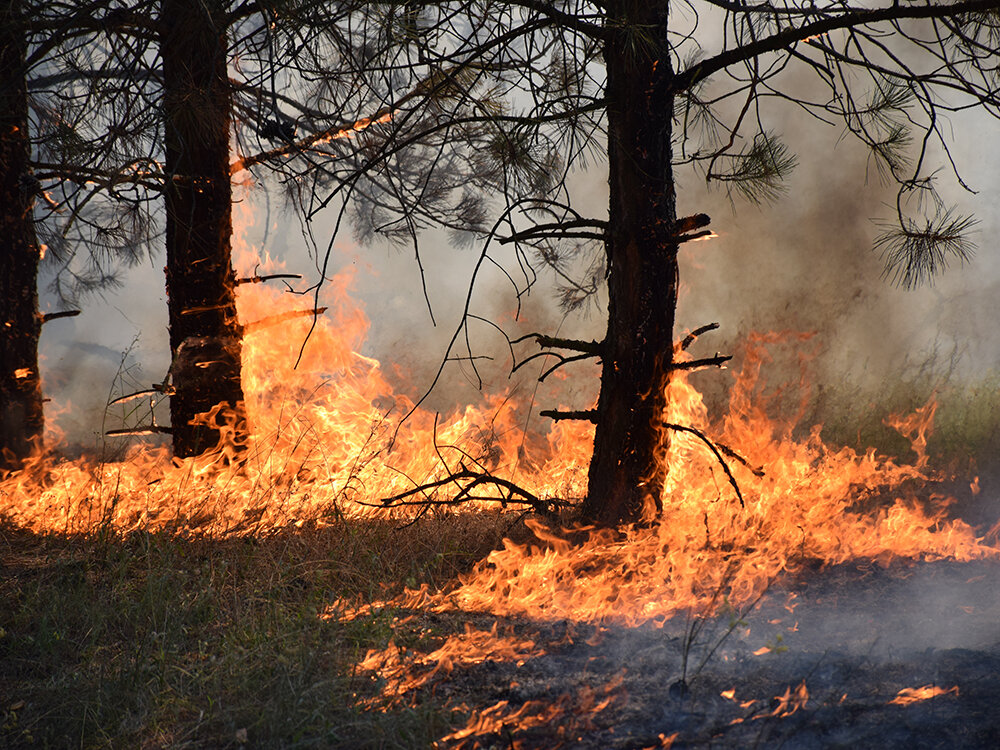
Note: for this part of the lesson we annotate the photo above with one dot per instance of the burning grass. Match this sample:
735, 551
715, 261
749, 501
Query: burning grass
271, 600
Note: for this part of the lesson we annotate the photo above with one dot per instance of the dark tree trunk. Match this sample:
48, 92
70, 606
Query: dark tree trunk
205, 335
22, 421
627, 471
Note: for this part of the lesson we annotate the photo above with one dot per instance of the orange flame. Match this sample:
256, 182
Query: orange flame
908, 696
789, 702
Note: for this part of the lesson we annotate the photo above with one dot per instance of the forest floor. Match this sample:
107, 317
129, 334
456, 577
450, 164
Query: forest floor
153, 640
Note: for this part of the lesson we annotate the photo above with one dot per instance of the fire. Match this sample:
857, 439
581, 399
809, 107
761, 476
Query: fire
789, 702
404, 670
802, 507
330, 441
574, 713
908, 696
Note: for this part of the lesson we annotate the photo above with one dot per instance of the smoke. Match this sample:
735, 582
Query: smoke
803, 263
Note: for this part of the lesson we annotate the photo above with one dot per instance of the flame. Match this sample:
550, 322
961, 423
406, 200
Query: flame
907, 696
329, 440
806, 506
329, 443
789, 702
580, 709
22, 372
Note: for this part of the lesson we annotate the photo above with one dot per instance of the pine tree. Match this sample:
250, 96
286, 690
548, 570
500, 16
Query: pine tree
474, 114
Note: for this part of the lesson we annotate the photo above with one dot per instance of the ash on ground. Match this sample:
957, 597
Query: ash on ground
855, 656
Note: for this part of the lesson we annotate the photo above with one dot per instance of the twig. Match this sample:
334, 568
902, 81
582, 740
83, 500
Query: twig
715, 450
476, 479
270, 277
139, 394
690, 338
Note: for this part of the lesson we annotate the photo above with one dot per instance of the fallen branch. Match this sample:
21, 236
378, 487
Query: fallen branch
476, 479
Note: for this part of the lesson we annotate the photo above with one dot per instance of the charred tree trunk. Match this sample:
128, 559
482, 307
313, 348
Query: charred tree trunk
22, 421
205, 335
627, 472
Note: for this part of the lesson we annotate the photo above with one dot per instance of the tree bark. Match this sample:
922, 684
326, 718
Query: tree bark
205, 335
627, 470
22, 421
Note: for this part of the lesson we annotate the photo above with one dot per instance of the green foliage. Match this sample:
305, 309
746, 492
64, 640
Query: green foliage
966, 424
914, 254
758, 171
158, 641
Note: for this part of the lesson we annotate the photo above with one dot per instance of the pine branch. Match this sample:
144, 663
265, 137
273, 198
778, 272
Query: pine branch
593, 348
914, 254
790, 36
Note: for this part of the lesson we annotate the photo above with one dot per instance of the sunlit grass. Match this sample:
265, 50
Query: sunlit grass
966, 432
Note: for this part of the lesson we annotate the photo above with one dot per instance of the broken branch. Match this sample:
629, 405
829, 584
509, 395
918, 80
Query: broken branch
588, 415
717, 361
594, 348
690, 223
694, 236
269, 277
690, 338
273, 320
46, 317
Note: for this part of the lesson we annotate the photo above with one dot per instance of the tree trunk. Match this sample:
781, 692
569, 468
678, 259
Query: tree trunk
22, 421
627, 471
205, 335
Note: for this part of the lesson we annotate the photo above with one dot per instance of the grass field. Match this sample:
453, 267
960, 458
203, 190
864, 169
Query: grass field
158, 641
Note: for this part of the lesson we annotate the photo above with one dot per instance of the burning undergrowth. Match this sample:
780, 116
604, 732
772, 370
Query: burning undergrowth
710, 619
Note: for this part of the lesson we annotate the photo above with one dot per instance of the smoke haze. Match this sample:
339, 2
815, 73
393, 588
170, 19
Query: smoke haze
804, 263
